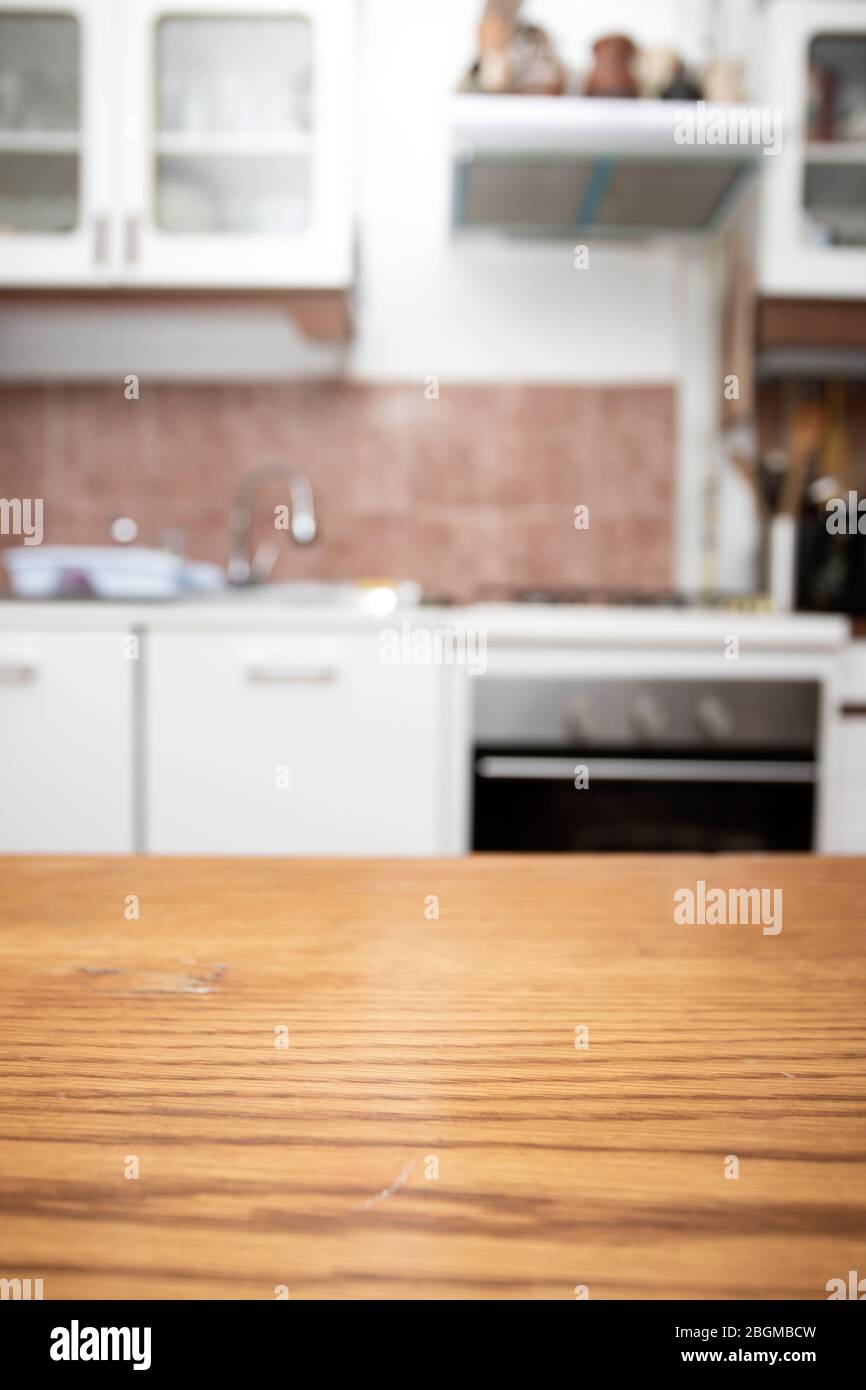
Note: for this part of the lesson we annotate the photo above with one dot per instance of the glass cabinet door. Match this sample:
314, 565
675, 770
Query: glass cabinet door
40, 123
834, 186
233, 124
812, 227
242, 173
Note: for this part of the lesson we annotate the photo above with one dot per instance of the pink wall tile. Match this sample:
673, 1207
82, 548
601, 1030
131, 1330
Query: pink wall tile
475, 489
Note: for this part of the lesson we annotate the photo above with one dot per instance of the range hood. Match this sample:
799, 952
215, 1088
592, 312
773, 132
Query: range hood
562, 166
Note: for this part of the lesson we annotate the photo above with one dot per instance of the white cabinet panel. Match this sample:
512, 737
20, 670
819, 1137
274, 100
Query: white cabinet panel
66, 743
854, 673
261, 744
854, 751
846, 788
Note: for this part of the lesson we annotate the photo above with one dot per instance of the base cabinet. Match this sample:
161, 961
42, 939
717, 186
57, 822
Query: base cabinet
850, 797
291, 744
66, 743
845, 778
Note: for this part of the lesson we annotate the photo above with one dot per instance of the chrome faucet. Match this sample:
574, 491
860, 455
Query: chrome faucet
247, 568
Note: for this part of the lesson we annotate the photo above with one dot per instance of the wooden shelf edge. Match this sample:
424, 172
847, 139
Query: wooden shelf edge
321, 315
830, 323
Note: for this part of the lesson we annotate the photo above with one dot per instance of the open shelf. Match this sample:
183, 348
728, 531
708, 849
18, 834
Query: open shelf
597, 125
555, 166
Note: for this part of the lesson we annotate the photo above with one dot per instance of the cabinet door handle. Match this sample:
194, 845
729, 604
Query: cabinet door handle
132, 239
101, 240
292, 675
16, 673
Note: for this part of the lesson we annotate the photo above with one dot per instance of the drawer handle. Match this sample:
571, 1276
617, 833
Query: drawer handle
16, 673
292, 675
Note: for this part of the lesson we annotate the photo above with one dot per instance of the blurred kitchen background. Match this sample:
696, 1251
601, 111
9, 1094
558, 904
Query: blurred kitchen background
544, 328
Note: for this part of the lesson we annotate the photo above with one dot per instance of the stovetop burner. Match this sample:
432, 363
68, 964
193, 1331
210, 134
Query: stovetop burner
621, 598
603, 597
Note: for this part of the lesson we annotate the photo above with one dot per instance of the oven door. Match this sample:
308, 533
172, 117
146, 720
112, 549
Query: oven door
643, 803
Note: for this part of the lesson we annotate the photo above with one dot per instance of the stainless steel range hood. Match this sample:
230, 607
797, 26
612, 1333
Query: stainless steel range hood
562, 166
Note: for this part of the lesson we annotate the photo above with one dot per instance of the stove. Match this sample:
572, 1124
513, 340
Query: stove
584, 763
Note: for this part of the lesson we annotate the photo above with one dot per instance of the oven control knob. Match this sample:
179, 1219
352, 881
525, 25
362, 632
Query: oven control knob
714, 718
648, 717
578, 718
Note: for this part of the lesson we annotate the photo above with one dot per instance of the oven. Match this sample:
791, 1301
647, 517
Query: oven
644, 765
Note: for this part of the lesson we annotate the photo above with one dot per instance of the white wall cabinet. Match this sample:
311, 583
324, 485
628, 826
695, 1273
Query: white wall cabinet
813, 212
203, 144
293, 744
66, 743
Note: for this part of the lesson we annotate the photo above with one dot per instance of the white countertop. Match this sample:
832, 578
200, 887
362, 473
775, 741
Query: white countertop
551, 625
505, 624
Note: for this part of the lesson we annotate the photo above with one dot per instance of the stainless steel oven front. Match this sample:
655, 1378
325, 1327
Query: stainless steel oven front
644, 765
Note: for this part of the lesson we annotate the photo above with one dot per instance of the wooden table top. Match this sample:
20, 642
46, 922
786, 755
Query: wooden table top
431, 1129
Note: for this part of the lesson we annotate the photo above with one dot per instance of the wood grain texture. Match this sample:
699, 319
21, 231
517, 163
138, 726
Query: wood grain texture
412, 1039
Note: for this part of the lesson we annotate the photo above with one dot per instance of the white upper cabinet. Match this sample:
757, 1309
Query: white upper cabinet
813, 224
201, 144
235, 147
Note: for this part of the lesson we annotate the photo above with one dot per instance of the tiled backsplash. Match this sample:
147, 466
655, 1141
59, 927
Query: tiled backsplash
476, 487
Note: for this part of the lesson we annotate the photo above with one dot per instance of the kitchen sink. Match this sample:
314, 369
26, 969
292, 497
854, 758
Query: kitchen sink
366, 597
